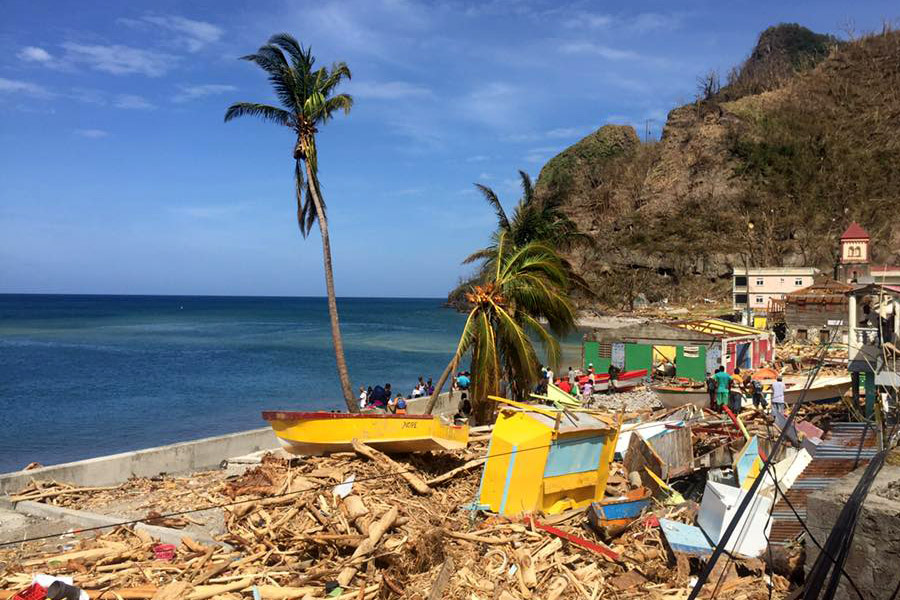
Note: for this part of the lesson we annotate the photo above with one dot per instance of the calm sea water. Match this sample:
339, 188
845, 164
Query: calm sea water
82, 376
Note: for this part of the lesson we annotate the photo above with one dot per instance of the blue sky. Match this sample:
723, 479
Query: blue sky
117, 174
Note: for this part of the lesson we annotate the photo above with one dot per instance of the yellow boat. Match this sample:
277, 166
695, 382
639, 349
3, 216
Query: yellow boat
314, 433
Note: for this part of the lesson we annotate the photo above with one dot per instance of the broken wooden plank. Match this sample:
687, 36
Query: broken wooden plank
415, 482
442, 579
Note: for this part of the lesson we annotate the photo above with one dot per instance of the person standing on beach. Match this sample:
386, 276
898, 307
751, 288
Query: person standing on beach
363, 398
463, 381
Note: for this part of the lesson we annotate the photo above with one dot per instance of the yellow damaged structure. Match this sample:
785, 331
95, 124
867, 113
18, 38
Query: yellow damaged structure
546, 460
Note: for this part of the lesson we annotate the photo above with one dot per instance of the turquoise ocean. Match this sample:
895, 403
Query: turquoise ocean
83, 376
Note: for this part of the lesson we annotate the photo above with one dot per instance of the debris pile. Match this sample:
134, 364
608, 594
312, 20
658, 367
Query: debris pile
365, 525
351, 526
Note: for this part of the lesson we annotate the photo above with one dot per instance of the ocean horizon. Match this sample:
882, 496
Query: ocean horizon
84, 375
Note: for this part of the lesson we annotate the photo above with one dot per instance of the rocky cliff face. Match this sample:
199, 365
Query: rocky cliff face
765, 171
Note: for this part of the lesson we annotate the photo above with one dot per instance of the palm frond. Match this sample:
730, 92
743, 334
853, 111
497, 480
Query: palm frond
342, 102
263, 111
494, 201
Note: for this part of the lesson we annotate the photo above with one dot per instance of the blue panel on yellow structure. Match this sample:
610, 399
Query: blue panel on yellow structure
574, 456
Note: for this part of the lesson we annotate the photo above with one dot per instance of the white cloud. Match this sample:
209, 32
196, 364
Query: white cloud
34, 54
194, 35
541, 155
478, 158
639, 23
93, 134
600, 50
654, 21
14, 86
388, 90
195, 92
88, 96
119, 60
132, 102
567, 132
591, 20
496, 104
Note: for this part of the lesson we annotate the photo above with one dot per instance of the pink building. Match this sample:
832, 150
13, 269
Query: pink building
755, 287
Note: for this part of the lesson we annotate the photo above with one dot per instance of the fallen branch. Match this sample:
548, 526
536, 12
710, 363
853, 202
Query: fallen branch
477, 538
453, 473
376, 531
414, 481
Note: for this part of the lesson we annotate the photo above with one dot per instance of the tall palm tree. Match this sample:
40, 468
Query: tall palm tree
527, 284
308, 99
535, 218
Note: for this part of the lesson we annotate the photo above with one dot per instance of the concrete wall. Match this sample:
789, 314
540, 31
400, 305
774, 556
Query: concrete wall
874, 561
174, 458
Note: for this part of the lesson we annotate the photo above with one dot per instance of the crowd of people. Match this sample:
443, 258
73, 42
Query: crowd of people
730, 390
382, 397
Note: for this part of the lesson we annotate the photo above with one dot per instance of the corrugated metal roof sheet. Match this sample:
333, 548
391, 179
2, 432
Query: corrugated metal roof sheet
839, 453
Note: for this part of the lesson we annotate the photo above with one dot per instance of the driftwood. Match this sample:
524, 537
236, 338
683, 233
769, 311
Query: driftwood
376, 531
454, 472
442, 579
415, 482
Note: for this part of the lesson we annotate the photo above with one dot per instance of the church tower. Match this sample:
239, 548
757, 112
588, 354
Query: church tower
854, 253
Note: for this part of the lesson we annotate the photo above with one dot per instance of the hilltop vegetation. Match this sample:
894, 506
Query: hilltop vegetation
767, 170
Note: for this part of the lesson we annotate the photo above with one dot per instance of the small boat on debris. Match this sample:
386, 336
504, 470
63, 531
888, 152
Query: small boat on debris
628, 379
314, 433
822, 389
620, 511
674, 395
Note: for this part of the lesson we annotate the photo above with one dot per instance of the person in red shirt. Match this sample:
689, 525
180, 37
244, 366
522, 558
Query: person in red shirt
564, 385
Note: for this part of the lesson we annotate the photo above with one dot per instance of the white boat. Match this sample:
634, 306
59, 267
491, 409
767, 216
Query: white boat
673, 396
821, 390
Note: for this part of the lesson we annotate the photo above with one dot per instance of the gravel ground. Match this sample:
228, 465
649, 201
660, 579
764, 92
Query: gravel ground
640, 398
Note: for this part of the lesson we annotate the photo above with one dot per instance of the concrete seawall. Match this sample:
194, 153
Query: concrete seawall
174, 458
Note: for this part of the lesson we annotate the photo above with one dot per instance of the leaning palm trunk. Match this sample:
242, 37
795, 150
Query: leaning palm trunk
429, 408
336, 337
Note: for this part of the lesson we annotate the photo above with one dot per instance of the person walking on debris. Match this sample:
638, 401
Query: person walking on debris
723, 384
586, 390
778, 408
778, 402
735, 395
756, 390
711, 389
571, 378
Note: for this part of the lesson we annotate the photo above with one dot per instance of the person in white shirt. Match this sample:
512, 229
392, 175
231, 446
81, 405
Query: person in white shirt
363, 398
549, 375
778, 408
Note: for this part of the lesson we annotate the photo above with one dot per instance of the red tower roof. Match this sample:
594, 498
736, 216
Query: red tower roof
855, 232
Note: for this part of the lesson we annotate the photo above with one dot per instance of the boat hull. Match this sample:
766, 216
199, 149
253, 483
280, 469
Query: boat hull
618, 512
315, 433
628, 380
673, 397
822, 392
